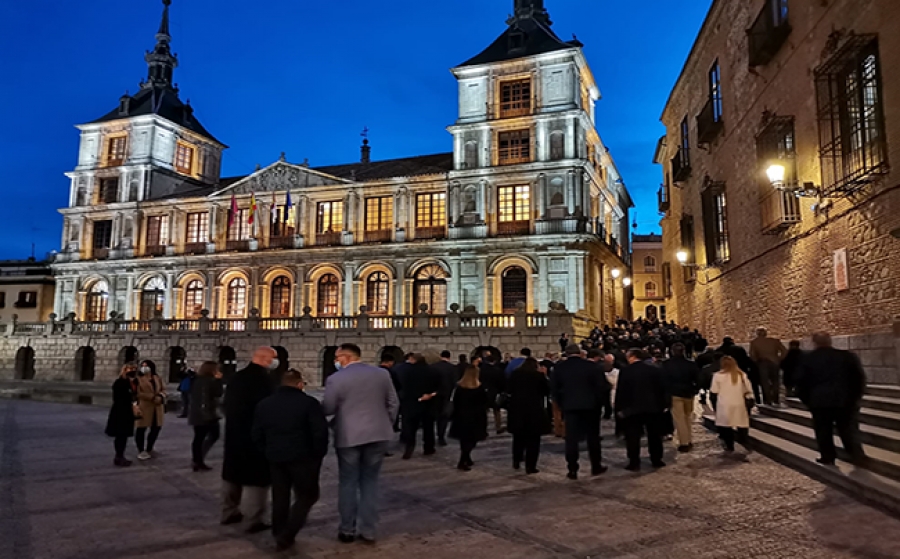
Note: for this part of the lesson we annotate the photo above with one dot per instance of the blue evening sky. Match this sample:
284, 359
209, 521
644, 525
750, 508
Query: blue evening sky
305, 77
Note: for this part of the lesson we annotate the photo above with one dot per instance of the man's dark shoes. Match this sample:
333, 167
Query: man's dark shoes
464, 466
658, 464
258, 527
572, 475
284, 546
442, 442
599, 471
825, 462
685, 448
531, 471
429, 452
346, 538
236, 518
407, 455
517, 465
633, 467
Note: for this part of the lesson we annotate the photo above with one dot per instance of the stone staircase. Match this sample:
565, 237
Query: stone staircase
786, 435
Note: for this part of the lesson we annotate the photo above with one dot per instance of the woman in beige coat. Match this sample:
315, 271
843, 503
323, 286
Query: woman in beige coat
732, 399
151, 397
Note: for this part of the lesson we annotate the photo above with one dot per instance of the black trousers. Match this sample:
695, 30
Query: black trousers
301, 479
443, 421
731, 434
607, 406
466, 446
634, 427
412, 422
119, 443
527, 447
582, 425
141, 432
847, 422
204, 437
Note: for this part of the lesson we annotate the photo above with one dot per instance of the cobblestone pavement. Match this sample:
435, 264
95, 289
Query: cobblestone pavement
60, 497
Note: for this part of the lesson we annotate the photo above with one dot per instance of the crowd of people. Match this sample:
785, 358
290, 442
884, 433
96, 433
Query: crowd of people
645, 377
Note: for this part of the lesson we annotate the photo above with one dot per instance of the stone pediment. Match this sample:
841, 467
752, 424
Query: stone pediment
280, 177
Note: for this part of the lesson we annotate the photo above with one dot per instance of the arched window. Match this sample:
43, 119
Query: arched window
430, 288
236, 298
153, 298
650, 289
280, 300
557, 146
378, 293
514, 288
650, 264
555, 193
193, 300
327, 296
96, 304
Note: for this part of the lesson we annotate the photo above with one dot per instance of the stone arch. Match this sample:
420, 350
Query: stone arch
231, 282
96, 300
374, 294
419, 264
176, 357
320, 270
326, 358
274, 272
503, 262
469, 203
481, 350
498, 272
227, 359
25, 363
395, 352
186, 303
128, 354
85, 364
374, 266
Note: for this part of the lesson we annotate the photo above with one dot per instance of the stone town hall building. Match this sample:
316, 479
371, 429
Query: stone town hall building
527, 209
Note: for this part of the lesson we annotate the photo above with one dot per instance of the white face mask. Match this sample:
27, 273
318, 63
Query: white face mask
338, 366
145, 370
274, 364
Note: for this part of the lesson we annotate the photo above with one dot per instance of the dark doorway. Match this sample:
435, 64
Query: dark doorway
85, 361
328, 367
514, 289
481, 350
283, 364
227, 362
393, 351
25, 363
177, 359
650, 313
128, 354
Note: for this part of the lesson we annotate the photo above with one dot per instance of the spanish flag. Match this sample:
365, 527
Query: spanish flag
252, 217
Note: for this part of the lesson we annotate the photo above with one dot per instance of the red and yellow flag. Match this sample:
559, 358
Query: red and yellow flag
252, 217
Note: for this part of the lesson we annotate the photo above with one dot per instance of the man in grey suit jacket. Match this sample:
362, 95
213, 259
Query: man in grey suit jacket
362, 400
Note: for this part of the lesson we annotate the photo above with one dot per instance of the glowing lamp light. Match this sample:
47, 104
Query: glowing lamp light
616, 273
626, 282
682, 256
776, 173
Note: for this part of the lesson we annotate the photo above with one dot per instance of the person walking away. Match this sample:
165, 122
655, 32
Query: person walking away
767, 354
418, 401
206, 391
120, 424
580, 388
514, 364
596, 355
362, 401
528, 389
390, 365
494, 380
564, 342
245, 470
446, 371
732, 397
469, 426
461, 365
682, 380
831, 384
184, 388
151, 396
290, 429
612, 377
641, 406
744, 362
790, 366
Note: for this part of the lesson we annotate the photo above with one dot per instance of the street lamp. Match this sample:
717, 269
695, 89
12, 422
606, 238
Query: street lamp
626, 282
682, 256
776, 173
616, 273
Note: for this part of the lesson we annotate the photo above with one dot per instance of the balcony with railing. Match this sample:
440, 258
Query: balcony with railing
513, 228
378, 236
561, 226
195, 248
437, 232
100, 253
709, 122
155, 250
662, 196
767, 36
237, 246
281, 242
780, 210
468, 231
328, 239
681, 165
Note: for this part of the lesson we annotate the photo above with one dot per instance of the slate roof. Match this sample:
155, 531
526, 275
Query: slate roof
537, 38
163, 102
390, 168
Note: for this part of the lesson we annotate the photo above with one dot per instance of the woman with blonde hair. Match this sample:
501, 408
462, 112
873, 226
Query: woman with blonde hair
470, 407
732, 399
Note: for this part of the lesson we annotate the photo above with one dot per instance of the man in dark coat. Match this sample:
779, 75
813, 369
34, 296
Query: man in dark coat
494, 380
291, 430
446, 371
245, 470
682, 380
831, 384
418, 400
580, 388
640, 405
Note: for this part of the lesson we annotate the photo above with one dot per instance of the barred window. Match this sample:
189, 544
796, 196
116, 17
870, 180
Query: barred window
102, 234
197, 227
431, 209
239, 226
116, 150
851, 117
280, 300
330, 217
514, 203
775, 145
515, 147
236, 298
157, 230
715, 224
515, 98
327, 296
377, 293
184, 158
379, 213
108, 193
193, 300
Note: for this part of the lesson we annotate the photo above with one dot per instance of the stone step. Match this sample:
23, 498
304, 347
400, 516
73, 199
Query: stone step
884, 390
880, 461
887, 439
869, 416
865, 485
883, 403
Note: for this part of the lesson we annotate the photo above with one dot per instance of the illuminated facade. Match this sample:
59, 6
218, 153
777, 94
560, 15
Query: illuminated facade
527, 209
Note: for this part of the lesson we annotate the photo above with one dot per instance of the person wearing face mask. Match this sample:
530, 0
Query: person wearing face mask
151, 397
120, 424
245, 470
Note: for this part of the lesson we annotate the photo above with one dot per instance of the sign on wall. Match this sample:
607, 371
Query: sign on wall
841, 272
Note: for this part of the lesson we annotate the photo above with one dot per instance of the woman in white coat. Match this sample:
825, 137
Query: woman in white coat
732, 398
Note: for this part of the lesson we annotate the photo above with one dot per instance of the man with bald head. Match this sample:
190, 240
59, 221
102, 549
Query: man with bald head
245, 472
831, 384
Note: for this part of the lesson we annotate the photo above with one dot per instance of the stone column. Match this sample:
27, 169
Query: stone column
454, 287
543, 287
400, 265
570, 192
169, 306
348, 213
571, 145
572, 284
177, 299
347, 303
129, 300
541, 195
299, 299
213, 214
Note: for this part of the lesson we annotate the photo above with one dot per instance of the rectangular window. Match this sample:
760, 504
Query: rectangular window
851, 117
379, 213
681, 162
431, 210
715, 91
197, 228
108, 191
515, 98
775, 146
157, 231
282, 227
115, 154
715, 224
2, 299
514, 210
769, 32
240, 228
184, 158
330, 217
689, 245
514, 147
710, 122
27, 300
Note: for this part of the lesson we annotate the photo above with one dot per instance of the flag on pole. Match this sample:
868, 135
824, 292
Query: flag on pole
274, 218
252, 217
288, 206
232, 214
